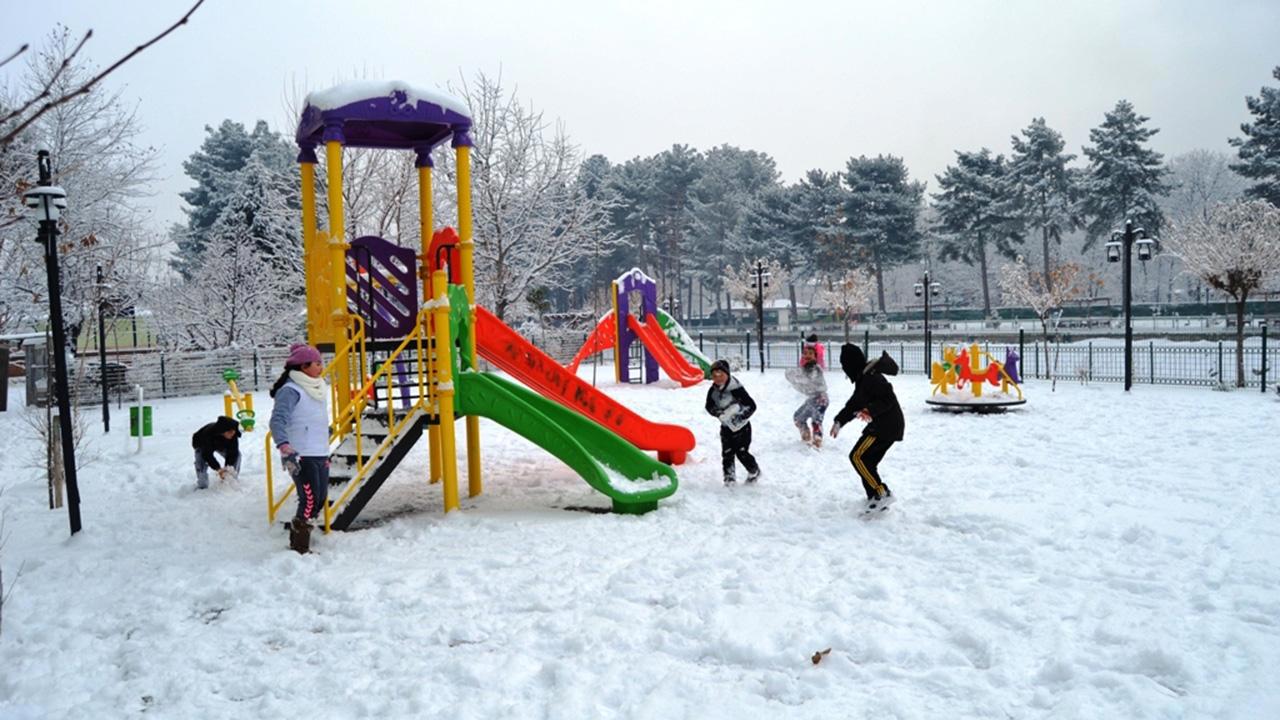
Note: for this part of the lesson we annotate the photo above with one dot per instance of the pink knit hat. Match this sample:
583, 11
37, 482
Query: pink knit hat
301, 354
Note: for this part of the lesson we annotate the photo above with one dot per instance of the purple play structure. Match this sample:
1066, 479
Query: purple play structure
634, 293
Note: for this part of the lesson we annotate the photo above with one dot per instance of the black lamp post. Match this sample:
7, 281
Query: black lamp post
927, 288
761, 283
47, 201
1120, 248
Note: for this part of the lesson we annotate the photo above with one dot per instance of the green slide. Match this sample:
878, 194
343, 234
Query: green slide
683, 342
611, 465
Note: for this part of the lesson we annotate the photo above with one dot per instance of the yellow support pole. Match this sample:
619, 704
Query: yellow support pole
466, 254
337, 289
426, 227
444, 377
313, 260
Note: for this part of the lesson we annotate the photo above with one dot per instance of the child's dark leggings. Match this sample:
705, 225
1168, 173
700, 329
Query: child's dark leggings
866, 456
312, 484
736, 445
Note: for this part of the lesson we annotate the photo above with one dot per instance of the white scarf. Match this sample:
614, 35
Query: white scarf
313, 386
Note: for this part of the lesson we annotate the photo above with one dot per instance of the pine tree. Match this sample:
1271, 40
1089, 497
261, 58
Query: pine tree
820, 199
214, 168
1124, 178
881, 211
973, 214
1260, 149
1041, 188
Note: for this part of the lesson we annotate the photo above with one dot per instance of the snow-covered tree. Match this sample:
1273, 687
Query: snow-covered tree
92, 140
1045, 295
1041, 188
740, 281
722, 199
217, 169
1125, 178
1259, 149
533, 220
1199, 180
845, 295
237, 295
1235, 249
973, 214
819, 205
881, 211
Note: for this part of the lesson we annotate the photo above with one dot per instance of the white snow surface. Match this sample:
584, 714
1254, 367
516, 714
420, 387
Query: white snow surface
352, 91
1092, 554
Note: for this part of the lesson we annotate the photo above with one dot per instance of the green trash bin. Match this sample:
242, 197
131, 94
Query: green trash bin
146, 421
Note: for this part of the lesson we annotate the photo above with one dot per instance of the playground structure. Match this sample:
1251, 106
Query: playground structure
656, 336
404, 333
236, 404
959, 381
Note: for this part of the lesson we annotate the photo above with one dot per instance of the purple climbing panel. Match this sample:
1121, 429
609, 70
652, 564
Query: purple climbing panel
382, 286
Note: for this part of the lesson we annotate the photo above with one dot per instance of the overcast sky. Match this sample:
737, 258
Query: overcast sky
810, 83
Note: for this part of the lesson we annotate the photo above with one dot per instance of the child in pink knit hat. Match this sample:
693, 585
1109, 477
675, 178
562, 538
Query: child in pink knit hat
300, 427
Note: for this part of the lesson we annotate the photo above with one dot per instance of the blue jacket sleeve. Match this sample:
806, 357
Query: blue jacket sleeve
281, 413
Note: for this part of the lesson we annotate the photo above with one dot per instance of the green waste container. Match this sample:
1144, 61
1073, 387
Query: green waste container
145, 430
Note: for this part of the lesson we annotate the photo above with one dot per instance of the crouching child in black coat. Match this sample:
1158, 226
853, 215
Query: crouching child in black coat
218, 436
873, 401
729, 402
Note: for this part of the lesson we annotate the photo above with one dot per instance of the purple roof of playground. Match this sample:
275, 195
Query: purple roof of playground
391, 114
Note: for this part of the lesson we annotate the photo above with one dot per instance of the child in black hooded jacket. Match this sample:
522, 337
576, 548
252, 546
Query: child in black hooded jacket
873, 400
728, 401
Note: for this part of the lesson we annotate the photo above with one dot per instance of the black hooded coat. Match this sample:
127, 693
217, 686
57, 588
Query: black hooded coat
209, 439
871, 392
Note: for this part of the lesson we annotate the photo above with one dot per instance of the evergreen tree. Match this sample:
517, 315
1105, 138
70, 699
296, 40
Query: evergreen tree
214, 168
675, 172
881, 210
1124, 177
1260, 149
730, 185
820, 199
1040, 187
973, 214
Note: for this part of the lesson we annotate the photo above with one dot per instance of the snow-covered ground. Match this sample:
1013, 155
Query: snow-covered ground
1092, 555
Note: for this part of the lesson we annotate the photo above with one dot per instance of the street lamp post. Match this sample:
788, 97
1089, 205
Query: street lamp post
927, 288
1120, 249
761, 283
47, 201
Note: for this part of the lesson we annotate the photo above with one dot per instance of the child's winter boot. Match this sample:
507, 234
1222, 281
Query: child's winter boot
300, 536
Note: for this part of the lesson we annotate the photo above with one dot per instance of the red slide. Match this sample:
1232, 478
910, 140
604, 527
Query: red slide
516, 356
601, 339
659, 345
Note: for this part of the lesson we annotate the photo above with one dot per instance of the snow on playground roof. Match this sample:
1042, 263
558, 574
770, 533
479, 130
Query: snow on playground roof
357, 90
382, 114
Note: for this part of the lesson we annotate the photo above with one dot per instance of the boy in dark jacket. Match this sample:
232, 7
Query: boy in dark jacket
729, 402
218, 436
873, 401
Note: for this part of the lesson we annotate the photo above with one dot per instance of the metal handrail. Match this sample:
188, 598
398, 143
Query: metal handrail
347, 418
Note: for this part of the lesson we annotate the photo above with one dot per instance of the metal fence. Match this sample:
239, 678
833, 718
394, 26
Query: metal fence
180, 374
1154, 362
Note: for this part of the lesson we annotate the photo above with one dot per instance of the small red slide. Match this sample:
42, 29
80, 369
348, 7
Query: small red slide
516, 356
659, 345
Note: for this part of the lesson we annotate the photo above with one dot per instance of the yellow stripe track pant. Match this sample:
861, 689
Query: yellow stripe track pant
866, 456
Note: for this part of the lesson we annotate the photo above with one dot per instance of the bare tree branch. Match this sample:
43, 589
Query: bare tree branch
9, 137
15, 54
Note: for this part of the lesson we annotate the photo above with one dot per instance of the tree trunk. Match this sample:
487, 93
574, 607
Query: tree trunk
1048, 369
1044, 240
1240, 338
880, 286
986, 285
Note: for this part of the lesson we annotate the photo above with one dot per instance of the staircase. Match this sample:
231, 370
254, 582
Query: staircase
375, 418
